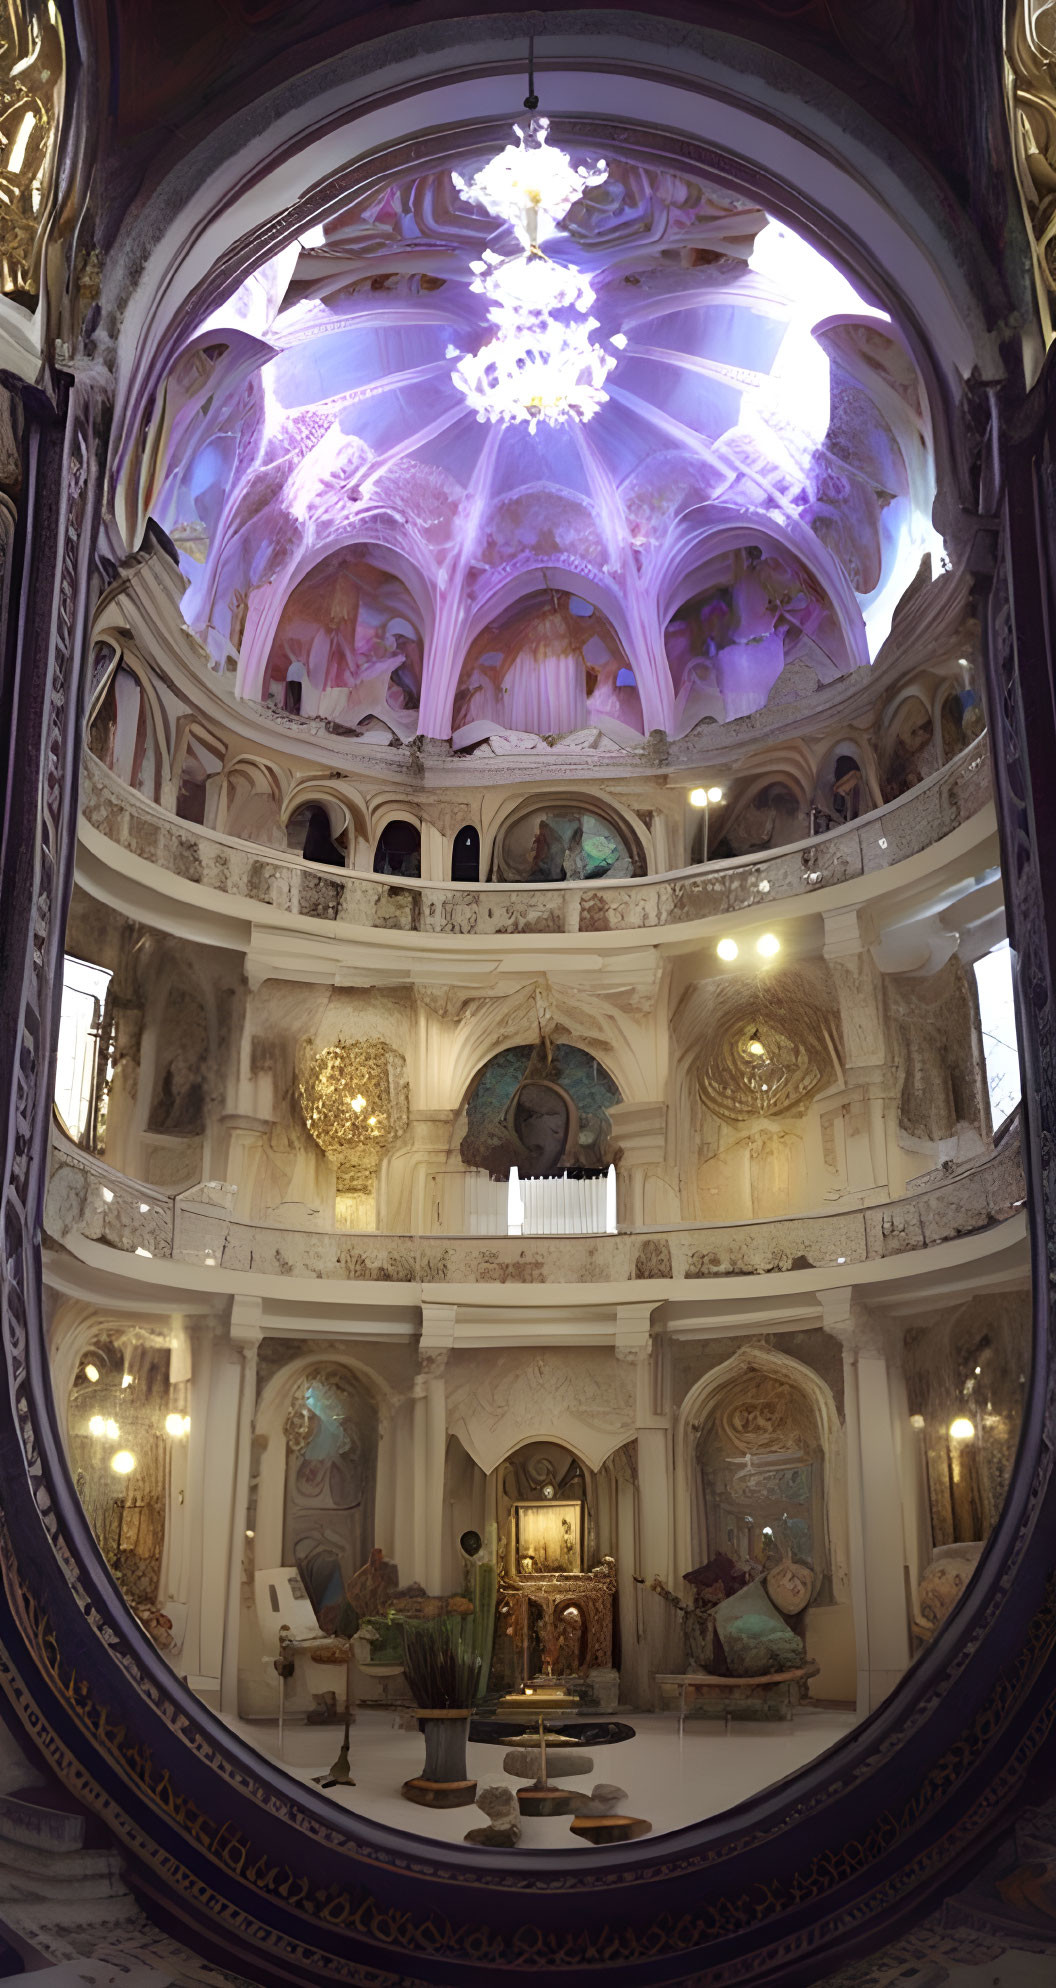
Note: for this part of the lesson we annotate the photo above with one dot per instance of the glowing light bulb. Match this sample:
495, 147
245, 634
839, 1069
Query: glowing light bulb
97, 1427
768, 945
961, 1429
727, 949
698, 797
715, 795
755, 1047
177, 1425
123, 1462
91, 1373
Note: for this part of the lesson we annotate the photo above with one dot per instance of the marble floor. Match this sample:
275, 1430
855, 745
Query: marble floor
668, 1783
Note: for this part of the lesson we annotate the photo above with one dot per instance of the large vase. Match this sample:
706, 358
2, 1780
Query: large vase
443, 1782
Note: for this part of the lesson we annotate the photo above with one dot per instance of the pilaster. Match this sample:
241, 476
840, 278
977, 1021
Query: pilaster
874, 1492
245, 1336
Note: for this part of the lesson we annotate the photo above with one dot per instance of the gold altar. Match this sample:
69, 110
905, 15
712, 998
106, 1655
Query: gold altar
575, 1627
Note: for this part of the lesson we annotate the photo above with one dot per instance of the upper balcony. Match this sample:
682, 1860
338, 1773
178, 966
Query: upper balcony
135, 854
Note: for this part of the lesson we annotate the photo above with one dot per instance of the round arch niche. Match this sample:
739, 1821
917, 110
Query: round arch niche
937, 1744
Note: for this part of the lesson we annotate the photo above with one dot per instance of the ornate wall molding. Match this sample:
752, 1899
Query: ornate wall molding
1030, 92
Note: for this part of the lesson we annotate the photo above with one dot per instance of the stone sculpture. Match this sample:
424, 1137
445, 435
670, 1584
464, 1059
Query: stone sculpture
499, 1804
604, 1799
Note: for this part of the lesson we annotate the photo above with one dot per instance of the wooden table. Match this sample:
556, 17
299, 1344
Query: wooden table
699, 1680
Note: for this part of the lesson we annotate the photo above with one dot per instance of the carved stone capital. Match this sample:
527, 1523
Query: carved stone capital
247, 1315
431, 1362
860, 1332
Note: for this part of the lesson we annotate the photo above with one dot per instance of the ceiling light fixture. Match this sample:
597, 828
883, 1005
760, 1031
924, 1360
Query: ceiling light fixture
727, 949
123, 1463
541, 363
962, 1430
768, 945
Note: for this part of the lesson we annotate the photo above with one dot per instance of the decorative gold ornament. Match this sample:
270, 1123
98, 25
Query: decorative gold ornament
1030, 96
32, 65
354, 1099
772, 1047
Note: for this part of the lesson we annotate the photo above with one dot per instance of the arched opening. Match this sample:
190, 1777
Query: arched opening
348, 648
465, 857
558, 840
309, 831
197, 793
548, 665
768, 816
122, 733
399, 850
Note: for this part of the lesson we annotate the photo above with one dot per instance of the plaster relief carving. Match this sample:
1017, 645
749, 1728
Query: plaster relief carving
1030, 85
581, 1398
769, 1047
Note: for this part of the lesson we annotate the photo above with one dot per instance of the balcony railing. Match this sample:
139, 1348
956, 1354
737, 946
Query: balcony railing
283, 882
88, 1200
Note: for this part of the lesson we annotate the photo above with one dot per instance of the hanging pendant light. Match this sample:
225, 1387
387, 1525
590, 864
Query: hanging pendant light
541, 363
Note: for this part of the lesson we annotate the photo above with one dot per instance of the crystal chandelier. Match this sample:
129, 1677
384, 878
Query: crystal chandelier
541, 363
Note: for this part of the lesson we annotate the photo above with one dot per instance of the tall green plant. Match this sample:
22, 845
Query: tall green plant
440, 1665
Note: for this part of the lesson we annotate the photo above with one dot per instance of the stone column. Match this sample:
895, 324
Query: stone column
635, 1345
649, 1198
867, 1064
874, 1494
438, 1327
436, 860
245, 1338
428, 1204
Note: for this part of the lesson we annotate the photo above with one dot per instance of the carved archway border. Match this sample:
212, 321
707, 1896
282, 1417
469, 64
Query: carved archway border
870, 1832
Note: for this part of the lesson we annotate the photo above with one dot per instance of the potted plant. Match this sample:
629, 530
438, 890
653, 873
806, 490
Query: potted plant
442, 1673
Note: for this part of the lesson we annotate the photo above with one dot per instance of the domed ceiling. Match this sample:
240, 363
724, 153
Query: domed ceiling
751, 495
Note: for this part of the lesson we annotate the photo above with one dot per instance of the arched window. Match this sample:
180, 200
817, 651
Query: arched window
557, 841
331, 1432
122, 733
310, 831
399, 850
761, 1485
465, 857
201, 763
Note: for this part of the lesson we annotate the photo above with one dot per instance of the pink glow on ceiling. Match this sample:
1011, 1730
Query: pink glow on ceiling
755, 491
